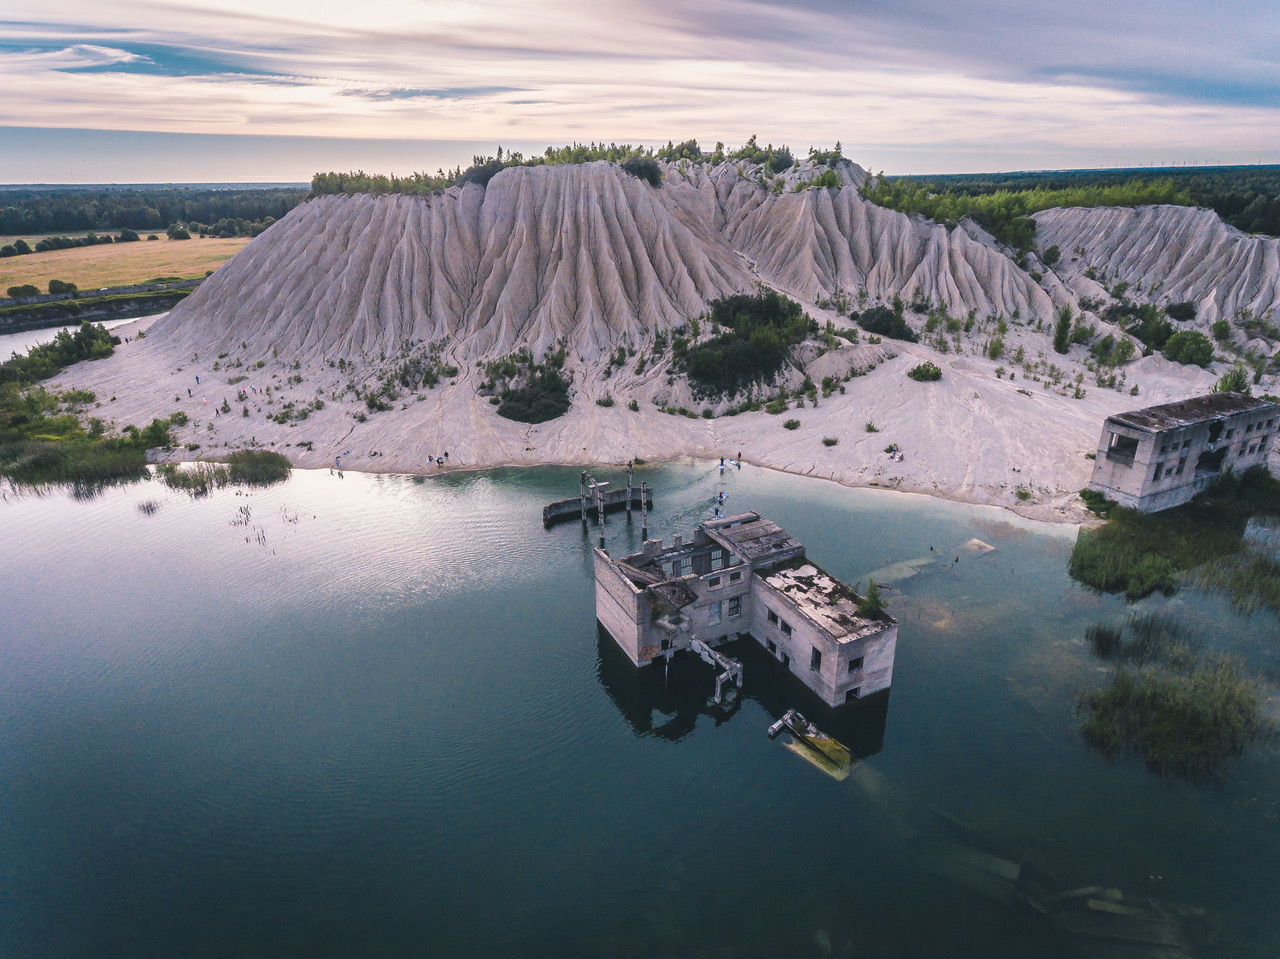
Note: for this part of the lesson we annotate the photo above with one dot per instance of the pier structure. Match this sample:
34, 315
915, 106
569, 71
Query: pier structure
594, 497
743, 576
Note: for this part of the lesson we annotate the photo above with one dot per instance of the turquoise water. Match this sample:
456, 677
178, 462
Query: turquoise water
368, 716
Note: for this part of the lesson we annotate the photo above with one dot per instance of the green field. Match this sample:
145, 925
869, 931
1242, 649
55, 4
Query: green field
118, 264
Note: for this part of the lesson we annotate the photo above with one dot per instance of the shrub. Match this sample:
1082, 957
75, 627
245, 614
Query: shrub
544, 397
791, 425
127, 236
26, 289
758, 332
872, 605
1221, 330
1235, 380
1183, 311
633, 406
1062, 331
177, 231
926, 372
258, 467
605, 400
57, 287
995, 349
1051, 255
776, 405
829, 441
1190, 347
871, 427
885, 322
644, 168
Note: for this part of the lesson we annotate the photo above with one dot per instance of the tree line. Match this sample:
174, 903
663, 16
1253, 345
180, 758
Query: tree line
1247, 197
1006, 212
641, 162
143, 209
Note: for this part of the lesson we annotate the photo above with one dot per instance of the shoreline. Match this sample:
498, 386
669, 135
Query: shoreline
978, 436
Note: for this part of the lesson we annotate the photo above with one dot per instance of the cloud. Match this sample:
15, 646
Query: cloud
987, 78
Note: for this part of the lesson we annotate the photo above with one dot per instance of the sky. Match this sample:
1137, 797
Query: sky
276, 90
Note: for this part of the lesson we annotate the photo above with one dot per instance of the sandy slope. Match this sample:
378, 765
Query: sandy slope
592, 257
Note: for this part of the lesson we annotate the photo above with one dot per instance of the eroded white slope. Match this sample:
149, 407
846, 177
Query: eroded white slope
1175, 253
586, 254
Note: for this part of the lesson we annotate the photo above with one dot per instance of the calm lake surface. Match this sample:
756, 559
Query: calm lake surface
373, 717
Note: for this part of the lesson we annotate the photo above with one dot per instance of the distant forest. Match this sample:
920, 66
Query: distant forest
216, 212
1247, 197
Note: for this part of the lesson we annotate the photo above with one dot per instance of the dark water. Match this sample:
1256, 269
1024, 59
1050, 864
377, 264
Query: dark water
375, 718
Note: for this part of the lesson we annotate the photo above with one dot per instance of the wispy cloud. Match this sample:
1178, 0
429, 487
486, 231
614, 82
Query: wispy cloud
990, 79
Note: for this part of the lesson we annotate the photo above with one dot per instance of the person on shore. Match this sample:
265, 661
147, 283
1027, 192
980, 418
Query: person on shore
188, 392
197, 379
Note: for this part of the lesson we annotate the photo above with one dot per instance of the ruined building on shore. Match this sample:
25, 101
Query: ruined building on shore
745, 576
1162, 456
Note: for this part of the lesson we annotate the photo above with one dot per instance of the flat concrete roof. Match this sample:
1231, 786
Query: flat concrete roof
751, 537
1198, 409
822, 598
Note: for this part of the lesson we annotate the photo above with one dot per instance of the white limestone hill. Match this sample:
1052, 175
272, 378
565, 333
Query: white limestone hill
1174, 253
586, 254
592, 258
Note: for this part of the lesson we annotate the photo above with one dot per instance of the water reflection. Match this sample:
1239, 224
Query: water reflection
680, 692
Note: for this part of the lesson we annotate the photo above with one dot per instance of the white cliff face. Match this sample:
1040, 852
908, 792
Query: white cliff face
1175, 253
586, 254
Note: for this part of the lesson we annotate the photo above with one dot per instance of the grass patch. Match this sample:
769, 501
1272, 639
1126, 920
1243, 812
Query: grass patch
41, 443
1097, 503
1181, 724
1139, 553
199, 480
258, 467
1250, 580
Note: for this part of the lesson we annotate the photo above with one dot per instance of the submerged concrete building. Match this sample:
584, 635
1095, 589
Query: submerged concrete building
745, 576
1162, 456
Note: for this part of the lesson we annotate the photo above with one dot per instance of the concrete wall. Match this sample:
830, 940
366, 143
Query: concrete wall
699, 613
832, 679
623, 610
1148, 484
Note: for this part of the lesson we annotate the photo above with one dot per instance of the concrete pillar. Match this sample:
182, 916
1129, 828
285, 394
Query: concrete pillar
644, 513
582, 493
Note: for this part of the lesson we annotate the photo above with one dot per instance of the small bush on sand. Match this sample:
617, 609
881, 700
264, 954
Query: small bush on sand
258, 467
